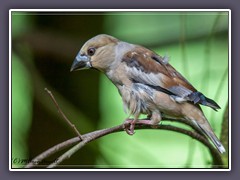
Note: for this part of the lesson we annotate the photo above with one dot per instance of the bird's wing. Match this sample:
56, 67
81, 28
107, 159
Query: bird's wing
146, 67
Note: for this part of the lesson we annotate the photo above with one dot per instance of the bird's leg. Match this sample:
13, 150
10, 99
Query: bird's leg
152, 120
155, 118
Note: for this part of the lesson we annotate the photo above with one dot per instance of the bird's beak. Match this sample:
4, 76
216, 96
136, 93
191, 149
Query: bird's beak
81, 62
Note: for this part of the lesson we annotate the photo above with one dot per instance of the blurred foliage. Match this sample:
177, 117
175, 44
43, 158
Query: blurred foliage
196, 42
21, 24
21, 98
21, 111
161, 28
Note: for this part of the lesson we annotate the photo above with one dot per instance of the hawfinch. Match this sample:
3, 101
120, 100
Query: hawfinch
147, 83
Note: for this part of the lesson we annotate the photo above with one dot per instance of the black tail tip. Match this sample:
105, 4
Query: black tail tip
199, 98
211, 103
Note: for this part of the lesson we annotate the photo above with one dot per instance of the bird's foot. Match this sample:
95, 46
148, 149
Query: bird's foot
129, 124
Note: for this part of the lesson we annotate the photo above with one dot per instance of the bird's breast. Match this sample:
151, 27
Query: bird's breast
137, 98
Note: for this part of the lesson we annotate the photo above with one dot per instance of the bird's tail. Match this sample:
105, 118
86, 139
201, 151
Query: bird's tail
199, 98
206, 129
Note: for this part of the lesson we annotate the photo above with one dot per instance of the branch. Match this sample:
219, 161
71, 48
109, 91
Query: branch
217, 161
224, 134
86, 138
63, 115
38, 159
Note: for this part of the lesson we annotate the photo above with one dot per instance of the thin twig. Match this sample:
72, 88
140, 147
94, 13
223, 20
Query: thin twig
34, 162
217, 161
63, 115
224, 137
86, 138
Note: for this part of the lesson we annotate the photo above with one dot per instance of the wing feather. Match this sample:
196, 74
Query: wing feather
145, 66
148, 67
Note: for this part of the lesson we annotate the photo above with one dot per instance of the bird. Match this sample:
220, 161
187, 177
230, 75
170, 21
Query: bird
147, 83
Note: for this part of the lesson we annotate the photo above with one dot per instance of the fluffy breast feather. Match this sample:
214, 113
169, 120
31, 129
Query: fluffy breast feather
137, 99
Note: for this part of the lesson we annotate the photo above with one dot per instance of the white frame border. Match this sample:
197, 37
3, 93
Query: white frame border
117, 10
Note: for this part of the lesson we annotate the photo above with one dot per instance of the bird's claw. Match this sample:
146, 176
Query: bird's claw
129, 126
129, 131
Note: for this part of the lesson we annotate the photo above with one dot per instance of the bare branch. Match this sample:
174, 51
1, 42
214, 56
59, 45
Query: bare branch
63, 115
86, 138
38, 159
217, 161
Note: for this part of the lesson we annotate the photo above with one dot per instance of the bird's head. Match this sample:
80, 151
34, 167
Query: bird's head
97, 53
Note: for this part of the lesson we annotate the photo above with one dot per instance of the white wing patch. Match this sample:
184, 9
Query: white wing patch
178, 99
139, 76
181, 93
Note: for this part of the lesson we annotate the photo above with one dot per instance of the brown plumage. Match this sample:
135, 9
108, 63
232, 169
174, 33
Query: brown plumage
147, 83
149, 62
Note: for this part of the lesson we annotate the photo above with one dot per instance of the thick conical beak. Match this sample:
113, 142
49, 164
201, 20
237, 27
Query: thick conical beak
81, 62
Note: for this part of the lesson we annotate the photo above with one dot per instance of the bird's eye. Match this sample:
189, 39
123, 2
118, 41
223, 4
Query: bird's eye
91, 51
